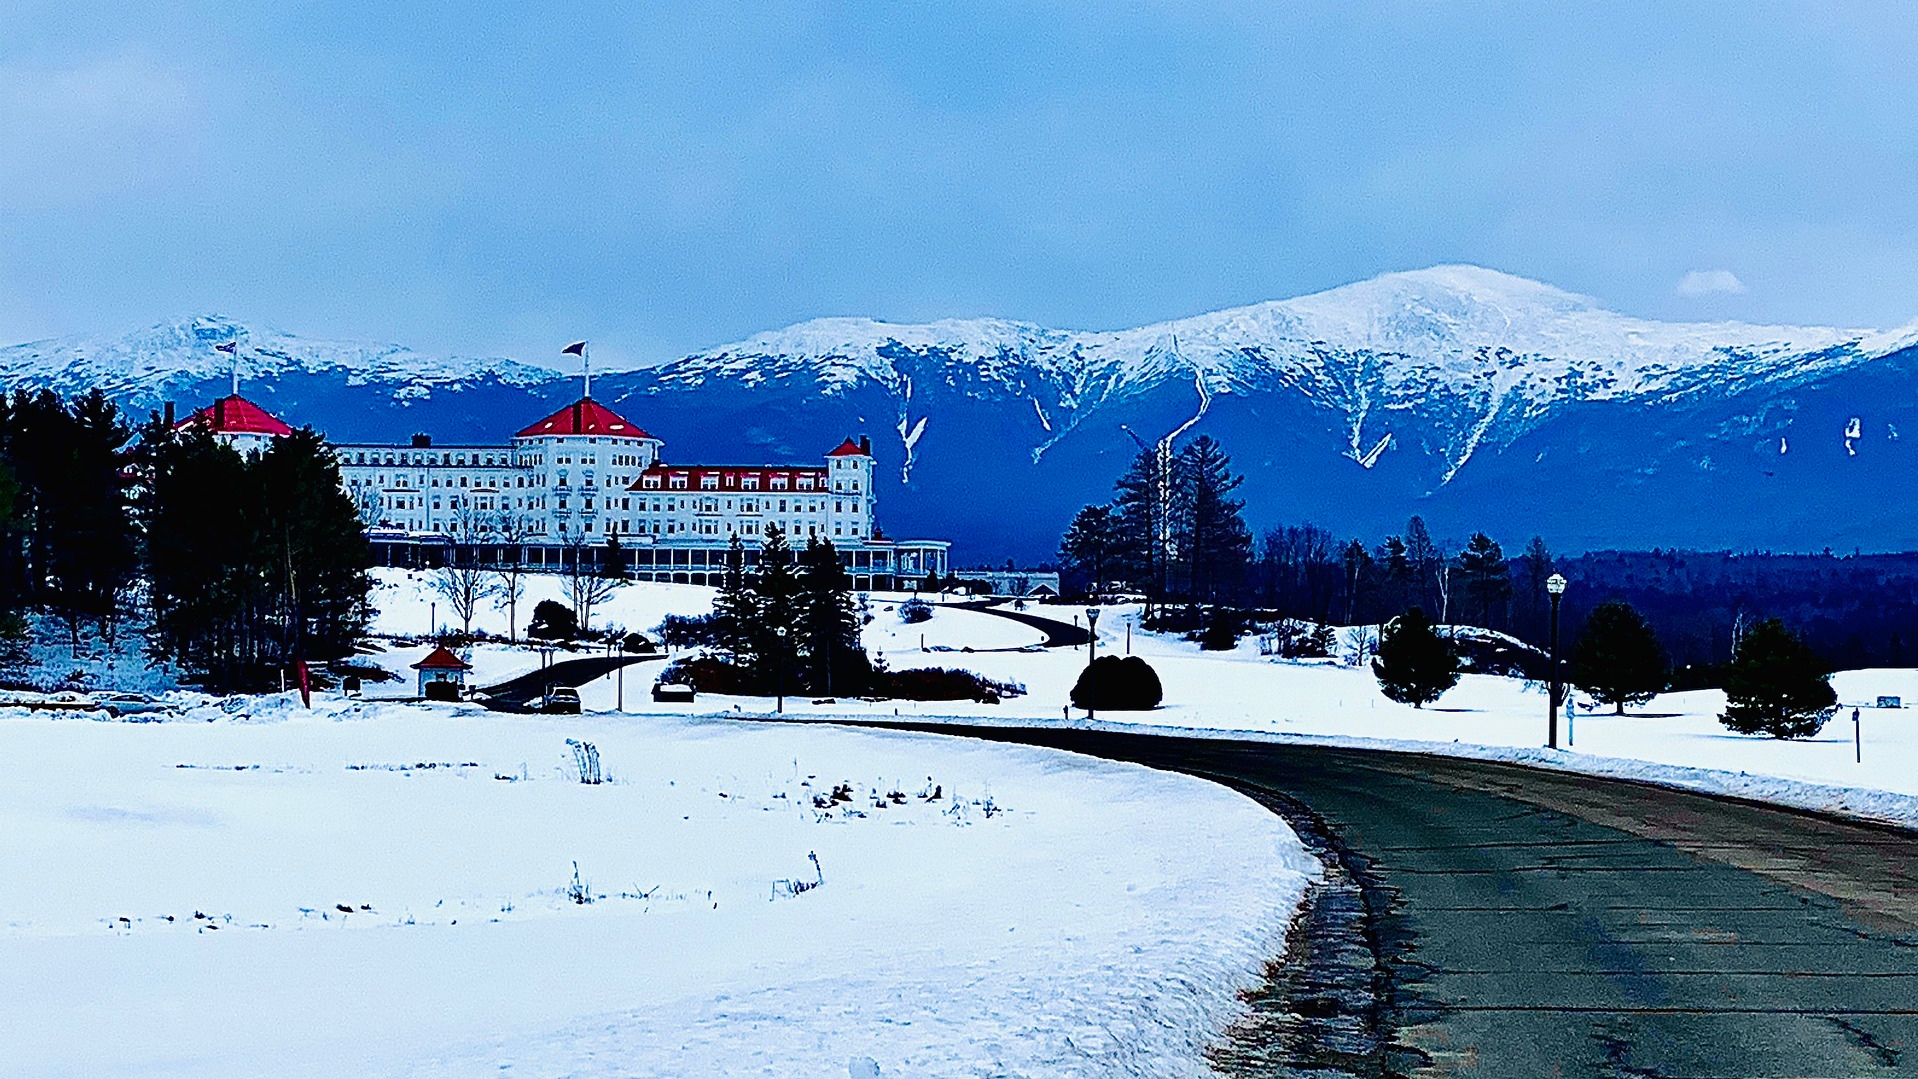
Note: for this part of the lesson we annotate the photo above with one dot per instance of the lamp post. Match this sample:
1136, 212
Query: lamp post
780, 634
1092, 652
1555, 586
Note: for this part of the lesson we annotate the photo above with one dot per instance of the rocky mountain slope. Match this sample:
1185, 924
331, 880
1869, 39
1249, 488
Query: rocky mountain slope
1478, 399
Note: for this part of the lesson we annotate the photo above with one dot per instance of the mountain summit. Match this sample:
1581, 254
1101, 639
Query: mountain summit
1480, 399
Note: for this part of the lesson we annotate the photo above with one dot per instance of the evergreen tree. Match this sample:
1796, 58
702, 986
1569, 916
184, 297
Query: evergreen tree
91, 554
1617, 658
1425, 562
253, 563
1092, 546
774, 634
1359, 574
613, 563
734, 612
834, 659
1485, 580
313, 531
1775, 685
1396, 578
1415, 665
1534, 569
1214, 545
199, 524
1140, 501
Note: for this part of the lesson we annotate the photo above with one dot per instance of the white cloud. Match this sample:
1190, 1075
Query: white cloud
1708, 282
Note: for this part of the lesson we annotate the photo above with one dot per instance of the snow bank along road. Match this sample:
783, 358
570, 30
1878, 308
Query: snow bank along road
369, 888
1487, 919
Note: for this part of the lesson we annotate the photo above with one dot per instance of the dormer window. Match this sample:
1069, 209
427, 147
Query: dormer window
650, 482
709, 482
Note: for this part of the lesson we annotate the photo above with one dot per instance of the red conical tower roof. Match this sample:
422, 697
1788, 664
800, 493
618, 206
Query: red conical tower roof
235, 415
584, 417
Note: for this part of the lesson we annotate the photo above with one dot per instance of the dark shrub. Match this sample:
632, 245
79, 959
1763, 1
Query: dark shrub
442, 691
711, 674
914, 611
639, 642
689, 631
553, 621
941, 684
1222, 630
1119, 684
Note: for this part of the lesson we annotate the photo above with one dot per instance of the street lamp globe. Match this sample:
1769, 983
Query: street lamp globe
1555, 584
1092, 617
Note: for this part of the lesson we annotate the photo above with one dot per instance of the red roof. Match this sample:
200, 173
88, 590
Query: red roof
442, 660
733, 478
238, 416
849, 448
584, 417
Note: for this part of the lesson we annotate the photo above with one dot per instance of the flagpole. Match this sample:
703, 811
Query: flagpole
586, 364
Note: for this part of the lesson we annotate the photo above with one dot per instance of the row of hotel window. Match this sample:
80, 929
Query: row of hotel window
703, 505
651, 483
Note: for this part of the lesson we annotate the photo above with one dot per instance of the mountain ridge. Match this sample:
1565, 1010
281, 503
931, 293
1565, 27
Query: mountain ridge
1442, 391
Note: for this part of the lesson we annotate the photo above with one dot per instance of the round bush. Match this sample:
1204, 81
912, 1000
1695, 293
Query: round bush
1118, 684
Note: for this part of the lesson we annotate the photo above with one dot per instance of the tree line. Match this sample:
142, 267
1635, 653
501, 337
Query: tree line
241, 564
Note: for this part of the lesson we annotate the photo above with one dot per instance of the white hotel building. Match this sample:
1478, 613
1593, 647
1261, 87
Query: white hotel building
586, 483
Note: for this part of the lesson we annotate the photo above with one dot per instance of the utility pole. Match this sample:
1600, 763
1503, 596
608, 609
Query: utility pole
1555, 585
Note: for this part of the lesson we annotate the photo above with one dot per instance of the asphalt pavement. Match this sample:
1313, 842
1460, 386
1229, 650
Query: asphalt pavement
1482, 919
523, 692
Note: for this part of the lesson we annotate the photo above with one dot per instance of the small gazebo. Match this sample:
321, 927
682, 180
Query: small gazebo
442, 675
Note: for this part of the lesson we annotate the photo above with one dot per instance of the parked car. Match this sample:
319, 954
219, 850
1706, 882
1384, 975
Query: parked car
560, 700
129, 704
673, 693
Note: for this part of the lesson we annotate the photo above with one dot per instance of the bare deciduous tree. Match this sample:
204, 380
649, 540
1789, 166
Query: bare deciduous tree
586, 586
462, 581
511, 528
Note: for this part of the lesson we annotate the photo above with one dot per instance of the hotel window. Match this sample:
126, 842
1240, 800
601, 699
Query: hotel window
750, 483
709, 482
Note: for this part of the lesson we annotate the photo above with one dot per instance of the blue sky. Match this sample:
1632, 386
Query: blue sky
663, 176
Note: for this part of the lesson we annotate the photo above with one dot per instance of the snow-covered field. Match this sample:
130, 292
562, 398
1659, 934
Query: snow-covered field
384, 889
1674, 739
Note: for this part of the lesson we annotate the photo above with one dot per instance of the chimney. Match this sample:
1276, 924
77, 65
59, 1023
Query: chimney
169, 414
421, 442
579, 419
219, 414
865, 445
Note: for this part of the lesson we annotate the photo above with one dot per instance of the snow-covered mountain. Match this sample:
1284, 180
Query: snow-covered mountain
1479, 399
338, 386
1459, 356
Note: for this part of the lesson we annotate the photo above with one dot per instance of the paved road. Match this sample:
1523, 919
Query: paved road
1058, 634
1481, 919
519, 694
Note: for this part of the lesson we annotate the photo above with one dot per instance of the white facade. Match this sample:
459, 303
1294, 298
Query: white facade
585, 474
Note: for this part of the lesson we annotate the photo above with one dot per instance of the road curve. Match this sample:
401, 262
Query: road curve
517, 694
1485, 919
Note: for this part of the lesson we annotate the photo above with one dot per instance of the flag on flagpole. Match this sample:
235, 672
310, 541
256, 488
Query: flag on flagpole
577, 348
228, 347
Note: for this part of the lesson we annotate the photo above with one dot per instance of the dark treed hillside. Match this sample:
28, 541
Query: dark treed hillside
1854, 610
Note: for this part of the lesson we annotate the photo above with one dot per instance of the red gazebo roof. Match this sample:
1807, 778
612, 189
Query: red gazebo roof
584, 417
235, 415
442, 660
